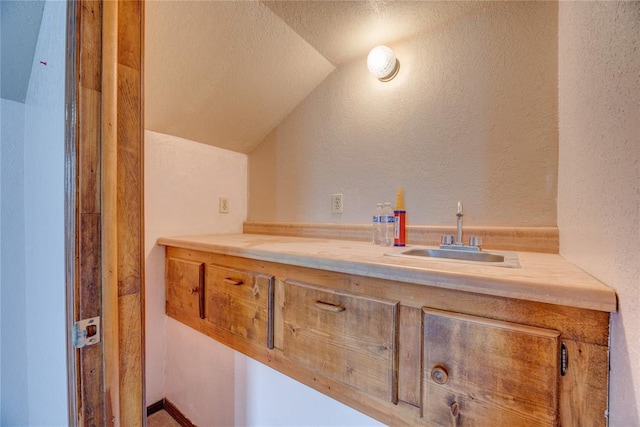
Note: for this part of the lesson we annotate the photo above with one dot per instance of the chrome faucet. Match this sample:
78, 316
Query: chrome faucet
448, 240
459, 215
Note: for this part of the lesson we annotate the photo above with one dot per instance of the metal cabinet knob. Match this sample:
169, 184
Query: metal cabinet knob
439, 375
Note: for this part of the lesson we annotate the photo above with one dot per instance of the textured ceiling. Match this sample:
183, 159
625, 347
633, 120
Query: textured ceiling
19, 28
226, 73
344, 30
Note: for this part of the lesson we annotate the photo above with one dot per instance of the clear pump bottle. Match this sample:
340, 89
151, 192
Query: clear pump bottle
388, 225
377, 233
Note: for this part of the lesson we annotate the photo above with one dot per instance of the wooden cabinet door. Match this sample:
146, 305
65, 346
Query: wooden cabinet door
185, 289
347, 337
240, 302
483, 372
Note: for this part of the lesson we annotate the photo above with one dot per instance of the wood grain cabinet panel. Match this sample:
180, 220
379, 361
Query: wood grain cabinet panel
185, 289
404, 354
240, 302
347, 337
483, 372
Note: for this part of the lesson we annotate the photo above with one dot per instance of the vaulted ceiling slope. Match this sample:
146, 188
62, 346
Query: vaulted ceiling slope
345, 30
19, 29
225, 73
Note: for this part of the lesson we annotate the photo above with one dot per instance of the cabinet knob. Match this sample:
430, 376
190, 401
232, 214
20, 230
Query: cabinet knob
193, 291
439, 375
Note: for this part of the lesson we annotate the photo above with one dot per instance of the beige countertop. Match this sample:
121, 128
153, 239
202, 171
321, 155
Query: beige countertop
541, 277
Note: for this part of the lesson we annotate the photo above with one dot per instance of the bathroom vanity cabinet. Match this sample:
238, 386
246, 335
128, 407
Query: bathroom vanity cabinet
408, 348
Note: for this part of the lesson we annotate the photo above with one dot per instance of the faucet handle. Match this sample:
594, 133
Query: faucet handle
448, 239
475, 241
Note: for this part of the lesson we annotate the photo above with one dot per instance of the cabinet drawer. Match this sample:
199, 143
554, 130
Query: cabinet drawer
185, 286
347, 337
481, 371
240, 302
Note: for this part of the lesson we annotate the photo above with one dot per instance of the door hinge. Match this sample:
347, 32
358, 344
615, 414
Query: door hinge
86, 332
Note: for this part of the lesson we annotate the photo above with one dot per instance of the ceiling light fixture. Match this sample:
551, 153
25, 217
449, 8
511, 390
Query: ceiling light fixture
382, 63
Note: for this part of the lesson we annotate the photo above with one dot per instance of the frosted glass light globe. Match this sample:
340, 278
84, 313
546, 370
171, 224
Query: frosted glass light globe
382, 63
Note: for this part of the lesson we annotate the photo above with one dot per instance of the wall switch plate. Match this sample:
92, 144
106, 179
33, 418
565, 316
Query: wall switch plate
336, 203
224, 204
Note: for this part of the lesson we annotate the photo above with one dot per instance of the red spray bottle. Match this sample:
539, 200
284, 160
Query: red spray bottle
400, 216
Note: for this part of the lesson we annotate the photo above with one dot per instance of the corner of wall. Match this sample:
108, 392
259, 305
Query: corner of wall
599, 177
183, 181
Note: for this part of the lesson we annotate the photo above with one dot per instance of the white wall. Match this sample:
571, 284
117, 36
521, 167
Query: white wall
1, 132
210, 383
44, 224
265, 397
183, 181
34, 364
599, 172
471, 116
13, 367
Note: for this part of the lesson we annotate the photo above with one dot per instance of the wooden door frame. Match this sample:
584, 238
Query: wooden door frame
104, 220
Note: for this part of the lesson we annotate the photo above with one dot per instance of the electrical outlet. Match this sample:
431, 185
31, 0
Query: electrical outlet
224, 204
336, 203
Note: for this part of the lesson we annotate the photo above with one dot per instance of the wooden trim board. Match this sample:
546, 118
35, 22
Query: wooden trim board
171, 409
104, 201
155, 407
83, 216
519, 239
